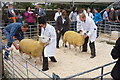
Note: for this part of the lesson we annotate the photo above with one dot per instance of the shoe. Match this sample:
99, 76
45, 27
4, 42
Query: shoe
92, 56
57, 46
66, 46
45, 69
53, 61
84, 51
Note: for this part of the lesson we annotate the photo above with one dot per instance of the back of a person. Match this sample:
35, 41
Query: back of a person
10, 26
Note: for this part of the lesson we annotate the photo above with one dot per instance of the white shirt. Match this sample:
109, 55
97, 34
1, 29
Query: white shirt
50, 49
90, 15
56, 15
89, 25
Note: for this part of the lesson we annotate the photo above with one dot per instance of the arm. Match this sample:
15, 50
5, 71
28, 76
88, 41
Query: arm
100, 18
116, 50
13, 13
55, 18
16, 46
70, 17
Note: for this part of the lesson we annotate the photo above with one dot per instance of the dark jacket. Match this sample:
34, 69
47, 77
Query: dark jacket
60, 26
116, 55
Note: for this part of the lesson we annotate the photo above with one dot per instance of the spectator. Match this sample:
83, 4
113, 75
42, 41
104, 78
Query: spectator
105, 16
118, 15
62, 25
116, 55
19, 17
112, 15
89, 13
84, 11
14, 29
40, 11
29, 19
73, 19
29, 16
97, 18
11, 14
57, 14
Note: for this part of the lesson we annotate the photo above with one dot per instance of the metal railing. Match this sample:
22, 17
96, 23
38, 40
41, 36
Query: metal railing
20, 70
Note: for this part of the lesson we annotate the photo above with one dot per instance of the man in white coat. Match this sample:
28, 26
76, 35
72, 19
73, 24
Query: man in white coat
87, 24
50, 48
57, 14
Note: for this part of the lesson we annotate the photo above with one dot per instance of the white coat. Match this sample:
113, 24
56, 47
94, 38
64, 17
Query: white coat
90, 15
89, 25
57, 14
50, 49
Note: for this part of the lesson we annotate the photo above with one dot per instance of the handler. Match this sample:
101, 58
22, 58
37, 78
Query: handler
50, 48
87, 24
14, 29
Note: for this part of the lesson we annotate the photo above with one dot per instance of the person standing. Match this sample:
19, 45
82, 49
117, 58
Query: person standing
89, 13
57, 14
105, 16
39, 13
88, 25
29, 16
62, 25
50, 48
112, 15
11, 14
97, 18
115, 73
118, 15
73, 19
14, 29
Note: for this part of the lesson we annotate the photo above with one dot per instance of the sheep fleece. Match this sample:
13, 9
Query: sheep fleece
73, 38
31, 47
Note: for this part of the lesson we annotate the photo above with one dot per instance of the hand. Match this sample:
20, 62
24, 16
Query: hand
58, 31
38, 16
96, 22
17, 47
46, 43
85, 36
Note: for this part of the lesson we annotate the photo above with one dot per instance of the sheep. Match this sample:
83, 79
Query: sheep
73, 38
33, 48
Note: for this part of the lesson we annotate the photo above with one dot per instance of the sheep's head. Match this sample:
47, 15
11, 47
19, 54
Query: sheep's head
44, 39
83, 33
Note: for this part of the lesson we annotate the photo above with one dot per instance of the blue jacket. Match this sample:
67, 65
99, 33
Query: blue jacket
13, 29
97, 18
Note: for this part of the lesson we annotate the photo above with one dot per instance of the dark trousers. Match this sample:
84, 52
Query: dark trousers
6, 52
45, 61
59, 35
92, 47
97, 30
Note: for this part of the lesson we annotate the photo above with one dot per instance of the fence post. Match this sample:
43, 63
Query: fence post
55, 77
102, 73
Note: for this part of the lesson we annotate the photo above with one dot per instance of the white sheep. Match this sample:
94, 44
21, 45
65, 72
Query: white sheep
73, 38
33, 48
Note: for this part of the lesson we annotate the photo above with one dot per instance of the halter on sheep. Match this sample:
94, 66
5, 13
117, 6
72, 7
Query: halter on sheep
33, 48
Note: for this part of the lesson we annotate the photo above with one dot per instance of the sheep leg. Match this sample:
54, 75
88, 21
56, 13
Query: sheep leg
35, 62
69, 46
75, 50
80, 49
64, 47
40, 59
29, 58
